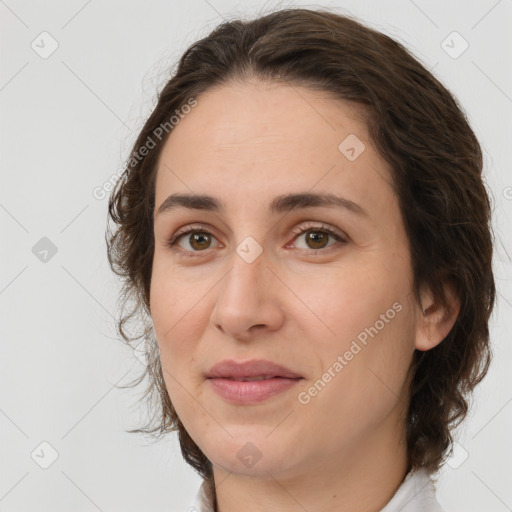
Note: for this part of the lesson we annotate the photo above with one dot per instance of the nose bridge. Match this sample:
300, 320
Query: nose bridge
248, 261
246, 275
245, 297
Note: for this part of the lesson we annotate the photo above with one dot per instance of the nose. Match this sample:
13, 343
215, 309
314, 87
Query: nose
248, 299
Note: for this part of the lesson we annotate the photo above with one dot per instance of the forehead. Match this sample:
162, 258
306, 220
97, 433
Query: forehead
267, 139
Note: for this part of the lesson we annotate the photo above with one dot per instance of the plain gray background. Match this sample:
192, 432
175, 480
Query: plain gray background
67, 122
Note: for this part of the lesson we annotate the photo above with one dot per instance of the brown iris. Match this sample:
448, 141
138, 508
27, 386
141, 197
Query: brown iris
201, 239
317, 239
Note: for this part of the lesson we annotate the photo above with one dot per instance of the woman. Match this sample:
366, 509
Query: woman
304, 226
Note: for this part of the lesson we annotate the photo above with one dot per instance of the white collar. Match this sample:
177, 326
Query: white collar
415, 494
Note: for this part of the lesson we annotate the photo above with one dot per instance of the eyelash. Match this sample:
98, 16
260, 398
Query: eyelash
298, 232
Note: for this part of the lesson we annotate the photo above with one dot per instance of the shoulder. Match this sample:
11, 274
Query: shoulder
417, 493
204, 499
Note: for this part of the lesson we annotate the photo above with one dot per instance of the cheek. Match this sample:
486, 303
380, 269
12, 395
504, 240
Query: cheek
175, 306
339, 303
173, 293
363, 315
371, 374
176, 324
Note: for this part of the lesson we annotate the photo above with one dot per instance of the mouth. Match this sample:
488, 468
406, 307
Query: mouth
250, 382
257, 368
251, 390
253, 379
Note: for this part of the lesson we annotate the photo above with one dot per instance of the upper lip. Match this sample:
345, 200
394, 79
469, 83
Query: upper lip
254, 368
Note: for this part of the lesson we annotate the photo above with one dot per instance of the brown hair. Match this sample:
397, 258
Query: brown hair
417, 126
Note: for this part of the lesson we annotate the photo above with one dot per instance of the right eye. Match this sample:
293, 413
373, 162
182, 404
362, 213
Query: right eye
192, 240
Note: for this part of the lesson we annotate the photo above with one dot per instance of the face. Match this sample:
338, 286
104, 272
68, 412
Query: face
323, 289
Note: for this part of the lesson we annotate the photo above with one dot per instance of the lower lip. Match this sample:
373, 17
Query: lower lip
246, 392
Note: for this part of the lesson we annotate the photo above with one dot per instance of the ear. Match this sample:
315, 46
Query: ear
435, 322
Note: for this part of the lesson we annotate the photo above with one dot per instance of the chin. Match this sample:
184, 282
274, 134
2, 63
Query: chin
251, 452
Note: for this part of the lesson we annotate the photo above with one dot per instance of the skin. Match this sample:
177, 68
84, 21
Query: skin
298, 306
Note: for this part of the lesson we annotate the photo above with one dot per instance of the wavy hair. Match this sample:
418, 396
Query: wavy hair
418, 128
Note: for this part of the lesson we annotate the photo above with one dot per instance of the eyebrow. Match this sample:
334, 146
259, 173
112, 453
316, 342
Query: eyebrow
282, 203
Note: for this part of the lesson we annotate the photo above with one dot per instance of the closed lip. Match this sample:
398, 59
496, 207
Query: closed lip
230, 369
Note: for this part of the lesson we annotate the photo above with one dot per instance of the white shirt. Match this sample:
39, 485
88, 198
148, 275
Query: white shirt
416, 494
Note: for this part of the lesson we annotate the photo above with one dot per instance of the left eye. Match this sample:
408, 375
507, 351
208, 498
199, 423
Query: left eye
316, 238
